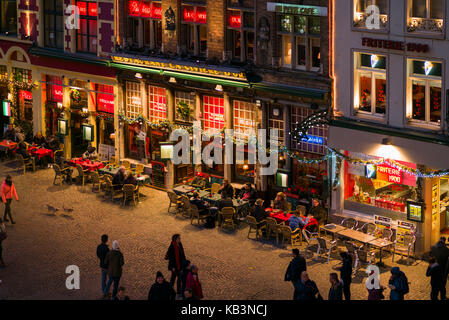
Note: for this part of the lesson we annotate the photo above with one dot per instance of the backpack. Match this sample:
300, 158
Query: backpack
406, 287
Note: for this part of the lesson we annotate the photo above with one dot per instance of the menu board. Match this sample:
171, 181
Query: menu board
415, 211
381, 224
435, 200
404, 228
158, 174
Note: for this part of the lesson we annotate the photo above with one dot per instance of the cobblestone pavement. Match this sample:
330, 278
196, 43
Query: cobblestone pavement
42, 244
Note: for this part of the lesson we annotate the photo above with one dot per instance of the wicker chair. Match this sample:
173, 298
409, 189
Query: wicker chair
196, 214
130, 192
271, 228
97, 180
214, 188
113, 192
227, 217
349, 223
83, 175
126, 164
186, 206
311, 238
406, 248
23, 164
139, 169
61, 173
174, 201
255, 226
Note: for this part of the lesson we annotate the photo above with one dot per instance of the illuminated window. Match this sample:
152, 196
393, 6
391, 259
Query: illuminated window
317, 136
276, 121
425, 16
145, 18
361, 13
213, 118
133, 100
244, 120
187, 98
194, 30
22, 75
105, 98
8, 17
370, 84
157, 106
54, 89
53, 22
424, 92
87, 33
240, 23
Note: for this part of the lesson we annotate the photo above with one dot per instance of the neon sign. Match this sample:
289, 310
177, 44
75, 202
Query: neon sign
235, 20
26, 95
92, 9
313, 140
392, 174
194, 14
134, 8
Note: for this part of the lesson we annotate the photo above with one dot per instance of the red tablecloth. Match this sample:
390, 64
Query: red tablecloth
5, 144
280, 217
86, 164
41, 152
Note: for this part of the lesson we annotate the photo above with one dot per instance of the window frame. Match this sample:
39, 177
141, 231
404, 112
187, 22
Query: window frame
244, 35
431, 24
54, 15
359, 18
89, 36
4, 32
132, 110
188, 33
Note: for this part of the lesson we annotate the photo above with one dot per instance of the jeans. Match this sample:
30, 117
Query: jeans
174, 275
116, 281
8, 210
434, 293
104, 277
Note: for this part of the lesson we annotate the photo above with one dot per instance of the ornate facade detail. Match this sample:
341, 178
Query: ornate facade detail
425, 25
360, 20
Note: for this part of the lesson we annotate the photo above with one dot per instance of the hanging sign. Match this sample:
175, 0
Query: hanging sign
26, 95
6, 108
105, 102
388, 173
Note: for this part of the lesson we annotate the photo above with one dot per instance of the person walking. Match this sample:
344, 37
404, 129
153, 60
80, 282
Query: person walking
336, 290
102, 250
435, 273
3, 236
441, 254
176, 257
295, 267
306, 289
346, 274
8, 191
193, 282
183, 275
161, 290
115, 261
398, 284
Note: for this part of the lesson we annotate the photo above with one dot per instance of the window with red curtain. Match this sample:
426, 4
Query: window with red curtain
213, 119
157, 103
54, 89
87, 32
105, 98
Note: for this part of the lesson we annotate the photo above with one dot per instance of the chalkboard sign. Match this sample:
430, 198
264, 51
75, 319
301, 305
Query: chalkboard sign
158, 174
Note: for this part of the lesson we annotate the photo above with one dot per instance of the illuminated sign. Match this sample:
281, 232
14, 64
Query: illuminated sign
83, 8
194, 14
390, 174
178, 67
105, 102
156, 11
6, 108
144, 9
188, 14
415, 211
201, 15
395, 45
92, 9
313, 139
134, 8
297, 9
26, 95
235, 20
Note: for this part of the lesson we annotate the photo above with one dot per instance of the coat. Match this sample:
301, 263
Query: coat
305, 291
227, 190
102, 251
295, 268
259, 213
281, 204
441, 254
170, 256
8, 192
161, 292
346, 270
336, 292
195, 285
436, 276
398, 282
114, 260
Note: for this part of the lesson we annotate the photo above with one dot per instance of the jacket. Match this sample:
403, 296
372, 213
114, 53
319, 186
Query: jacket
195, 285
130, 180
161, 292
39, 141
228, 190
346, 270
8, 192
259, 213
170, 255
102, 251
305, 291
295, 268
114, 260
441, 254
398, 282
436, 275
375, 294
336, 292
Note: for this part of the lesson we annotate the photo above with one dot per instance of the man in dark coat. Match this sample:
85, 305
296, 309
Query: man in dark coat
441, 254
398, 284
115, 261
259, 212
346, 274
225, 202
295, 268
161, 290
318, 212
306, 289
119, 178
176, 257
248, 193
226, 190
102, 250
435, 273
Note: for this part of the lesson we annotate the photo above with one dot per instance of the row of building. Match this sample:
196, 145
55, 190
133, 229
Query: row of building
129, 71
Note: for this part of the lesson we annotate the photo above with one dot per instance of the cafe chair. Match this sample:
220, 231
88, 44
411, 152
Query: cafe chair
405, 247
139, 169
112, 190
271, 228
359, 254
326, 246
196, 214
186, 206
349, 223
386, 234
97, 181
130, 192
174, 201
112, 160
368, 228
255, 226
83, 175
126, 164
62, 174
23, 164
214, 188
286, 233
227, 217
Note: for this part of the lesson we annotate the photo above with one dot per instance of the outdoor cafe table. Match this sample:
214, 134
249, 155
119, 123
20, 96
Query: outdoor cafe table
281, 217
380, 243
86, 164
40, 152
112, 170
6, 145
332, 228
357, 235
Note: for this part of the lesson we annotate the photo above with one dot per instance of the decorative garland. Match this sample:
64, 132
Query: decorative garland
104, 116
75, 95
184, 110
14, 86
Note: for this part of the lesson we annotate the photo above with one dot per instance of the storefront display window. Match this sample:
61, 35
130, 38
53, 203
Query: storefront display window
157, 104
370, 84
317, 136
213, 118
424, 94
133, 100
54, 97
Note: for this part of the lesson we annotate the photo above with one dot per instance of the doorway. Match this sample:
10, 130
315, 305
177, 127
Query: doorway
79, 145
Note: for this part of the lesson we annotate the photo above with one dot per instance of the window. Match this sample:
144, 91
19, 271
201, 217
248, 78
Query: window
157, 105
317, 136
54, 89
244, 119
213, 118
22, 75
361, 13
105, 98
87, 33
240, 23
276, 121
370, 84
8, 17
144, 18
3, 72
133, 100
53, 22
187, 98
425, 16
300, 42
194, 30
424, 92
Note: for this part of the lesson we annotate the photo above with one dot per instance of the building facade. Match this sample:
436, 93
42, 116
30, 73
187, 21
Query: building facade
391, 116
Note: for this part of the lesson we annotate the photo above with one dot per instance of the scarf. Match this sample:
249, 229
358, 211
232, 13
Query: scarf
177, 255
8, 182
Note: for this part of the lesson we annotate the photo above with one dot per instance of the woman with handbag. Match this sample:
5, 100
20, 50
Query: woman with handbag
8, 191
3, 236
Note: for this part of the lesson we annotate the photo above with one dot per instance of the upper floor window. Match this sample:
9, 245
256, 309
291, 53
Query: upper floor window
53, 24
425, 16
87, 33
363, 9
145, 24
301, 47
22, 75
194, 30
317, 135
8, 17
370, 84
424, 92
240, 35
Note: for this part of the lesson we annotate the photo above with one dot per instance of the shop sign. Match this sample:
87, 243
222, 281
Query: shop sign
390, 174
395, 45
26, 95
404, 228
177, 67
381, 224
245, 123
144, 9
297, 9
57, 92
160, 107
215, 117
137, 101
313, 140
235, 20
105, 102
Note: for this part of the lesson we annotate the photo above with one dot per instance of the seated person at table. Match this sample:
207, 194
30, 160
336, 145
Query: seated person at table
201, 205
226, 190
22, 150
248, 193
19, 135
318, 212
296, 221
280, 202
225, 202
39, 140
198, 182
259, 212
51, 143
118, 178
91, 153
9, 133
130, 179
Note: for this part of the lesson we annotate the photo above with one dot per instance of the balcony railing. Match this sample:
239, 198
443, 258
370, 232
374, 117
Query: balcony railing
425, 25
361, 17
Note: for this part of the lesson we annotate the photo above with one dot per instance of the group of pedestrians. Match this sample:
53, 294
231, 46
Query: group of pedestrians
183, 273
438, 269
